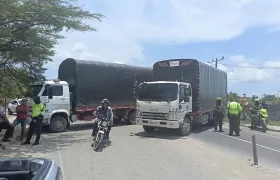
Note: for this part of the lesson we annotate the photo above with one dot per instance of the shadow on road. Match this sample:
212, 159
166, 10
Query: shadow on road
169, 133
50, 142
159, 134
81, 126
199, 129
106, 143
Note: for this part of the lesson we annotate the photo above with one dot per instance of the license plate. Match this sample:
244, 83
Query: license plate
152, 122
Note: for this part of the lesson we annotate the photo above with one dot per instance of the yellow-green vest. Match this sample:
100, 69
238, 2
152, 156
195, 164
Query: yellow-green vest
37, 109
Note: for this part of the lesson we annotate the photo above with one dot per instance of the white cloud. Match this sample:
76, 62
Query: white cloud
131, 24
242, 70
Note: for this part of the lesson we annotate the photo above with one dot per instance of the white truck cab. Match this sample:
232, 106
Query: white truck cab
165, 104
56, 97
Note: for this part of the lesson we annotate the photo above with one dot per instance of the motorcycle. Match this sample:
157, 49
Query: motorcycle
260, 119
102, 130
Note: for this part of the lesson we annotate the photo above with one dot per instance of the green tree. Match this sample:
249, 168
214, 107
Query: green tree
29, 31
234, 96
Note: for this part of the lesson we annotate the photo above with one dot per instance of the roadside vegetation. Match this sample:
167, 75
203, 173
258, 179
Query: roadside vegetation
29, 32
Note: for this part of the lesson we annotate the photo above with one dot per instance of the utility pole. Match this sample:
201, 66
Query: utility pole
216, 61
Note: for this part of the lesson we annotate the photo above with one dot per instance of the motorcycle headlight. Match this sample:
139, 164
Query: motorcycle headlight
104, 123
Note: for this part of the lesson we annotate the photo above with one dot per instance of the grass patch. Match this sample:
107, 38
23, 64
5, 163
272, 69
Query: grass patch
273, 123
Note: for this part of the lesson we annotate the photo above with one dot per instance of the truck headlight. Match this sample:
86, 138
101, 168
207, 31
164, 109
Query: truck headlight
138, 113
172, 113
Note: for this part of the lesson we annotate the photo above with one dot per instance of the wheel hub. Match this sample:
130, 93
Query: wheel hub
186, 125
58, 124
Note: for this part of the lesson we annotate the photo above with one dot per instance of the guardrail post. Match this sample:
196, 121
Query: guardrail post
255, 154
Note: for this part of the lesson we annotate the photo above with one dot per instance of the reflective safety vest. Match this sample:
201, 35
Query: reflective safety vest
234, 108
37, 109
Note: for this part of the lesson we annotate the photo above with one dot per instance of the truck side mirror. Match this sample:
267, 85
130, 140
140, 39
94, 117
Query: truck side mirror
182, 99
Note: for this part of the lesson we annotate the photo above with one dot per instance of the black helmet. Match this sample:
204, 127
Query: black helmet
105, 101
37, 100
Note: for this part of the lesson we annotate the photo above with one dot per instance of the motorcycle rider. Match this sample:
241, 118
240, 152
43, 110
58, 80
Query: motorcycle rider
106, 111
254, 109
219, 114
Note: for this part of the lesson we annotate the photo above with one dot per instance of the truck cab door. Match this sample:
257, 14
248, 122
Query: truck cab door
185, 101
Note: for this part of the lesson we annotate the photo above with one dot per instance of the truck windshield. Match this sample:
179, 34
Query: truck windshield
158, 92
34, 90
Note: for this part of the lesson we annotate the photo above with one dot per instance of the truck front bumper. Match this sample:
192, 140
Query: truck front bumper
158, 123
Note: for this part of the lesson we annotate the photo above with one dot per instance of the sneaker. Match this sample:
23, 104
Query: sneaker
221, 130
25, 143
6, 140
35, 143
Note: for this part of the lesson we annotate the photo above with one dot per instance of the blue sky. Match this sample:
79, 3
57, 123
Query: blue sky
246, 32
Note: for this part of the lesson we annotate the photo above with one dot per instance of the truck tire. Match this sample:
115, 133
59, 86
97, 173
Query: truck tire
185, 127
117, 120
131, 119
58, 124
149, 128
10, 112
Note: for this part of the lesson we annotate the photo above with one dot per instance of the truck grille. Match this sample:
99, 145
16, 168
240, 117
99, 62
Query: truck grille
154, 116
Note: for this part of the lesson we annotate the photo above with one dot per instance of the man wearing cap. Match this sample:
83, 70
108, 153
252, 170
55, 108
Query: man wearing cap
22, 115
4, 123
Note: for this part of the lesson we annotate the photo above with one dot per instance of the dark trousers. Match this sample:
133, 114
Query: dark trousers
35, 125
233, 124
9, 129
218, 120
95, 126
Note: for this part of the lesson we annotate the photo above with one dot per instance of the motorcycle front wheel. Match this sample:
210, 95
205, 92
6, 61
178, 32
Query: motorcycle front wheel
264, 125
98, 141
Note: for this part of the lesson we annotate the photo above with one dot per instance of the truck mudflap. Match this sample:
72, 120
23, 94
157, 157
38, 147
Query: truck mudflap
158, 123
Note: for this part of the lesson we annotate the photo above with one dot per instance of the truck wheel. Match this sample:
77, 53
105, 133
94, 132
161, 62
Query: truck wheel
10, 112
46, 128
58, 124
131, 118
117, 120
185, 127
149, 128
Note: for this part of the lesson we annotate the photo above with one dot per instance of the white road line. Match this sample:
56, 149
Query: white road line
275, 150
255, 132
61, 163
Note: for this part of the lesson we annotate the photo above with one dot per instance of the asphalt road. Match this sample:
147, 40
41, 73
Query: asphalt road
268, 144
135, 155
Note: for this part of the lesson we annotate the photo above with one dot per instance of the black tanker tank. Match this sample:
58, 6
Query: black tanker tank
91, 81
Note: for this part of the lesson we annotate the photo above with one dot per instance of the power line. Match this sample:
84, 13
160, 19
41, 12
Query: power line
239, 66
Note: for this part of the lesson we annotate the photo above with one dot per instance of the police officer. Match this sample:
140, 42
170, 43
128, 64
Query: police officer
234, 110
37, 118
219, 114
253, 110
